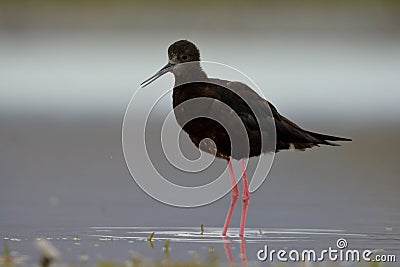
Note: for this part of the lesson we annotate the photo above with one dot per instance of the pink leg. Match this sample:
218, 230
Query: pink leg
234, 197
245, 198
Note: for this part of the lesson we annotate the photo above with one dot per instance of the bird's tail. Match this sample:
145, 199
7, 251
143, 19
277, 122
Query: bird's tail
326, 138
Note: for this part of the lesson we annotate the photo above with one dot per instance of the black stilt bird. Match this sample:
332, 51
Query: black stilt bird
191, 82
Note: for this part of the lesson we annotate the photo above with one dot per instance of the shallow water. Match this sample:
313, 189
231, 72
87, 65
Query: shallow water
122, 243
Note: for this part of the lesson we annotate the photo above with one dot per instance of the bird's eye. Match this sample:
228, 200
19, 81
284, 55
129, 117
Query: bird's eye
184, 57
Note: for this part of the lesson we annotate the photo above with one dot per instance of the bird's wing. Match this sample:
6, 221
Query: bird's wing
286, 130
245, 100
253, 109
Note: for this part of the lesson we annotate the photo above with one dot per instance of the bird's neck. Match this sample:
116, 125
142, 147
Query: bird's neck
189, 72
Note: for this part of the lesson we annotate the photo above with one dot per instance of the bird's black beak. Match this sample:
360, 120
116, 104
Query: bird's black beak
161, 72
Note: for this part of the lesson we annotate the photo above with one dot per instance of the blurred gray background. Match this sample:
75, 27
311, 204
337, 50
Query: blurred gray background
69, 68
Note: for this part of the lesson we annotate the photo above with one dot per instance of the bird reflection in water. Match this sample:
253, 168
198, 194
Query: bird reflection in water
228, 251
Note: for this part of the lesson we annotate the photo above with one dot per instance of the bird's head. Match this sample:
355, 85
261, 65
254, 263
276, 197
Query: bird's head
179, 52
183, 51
